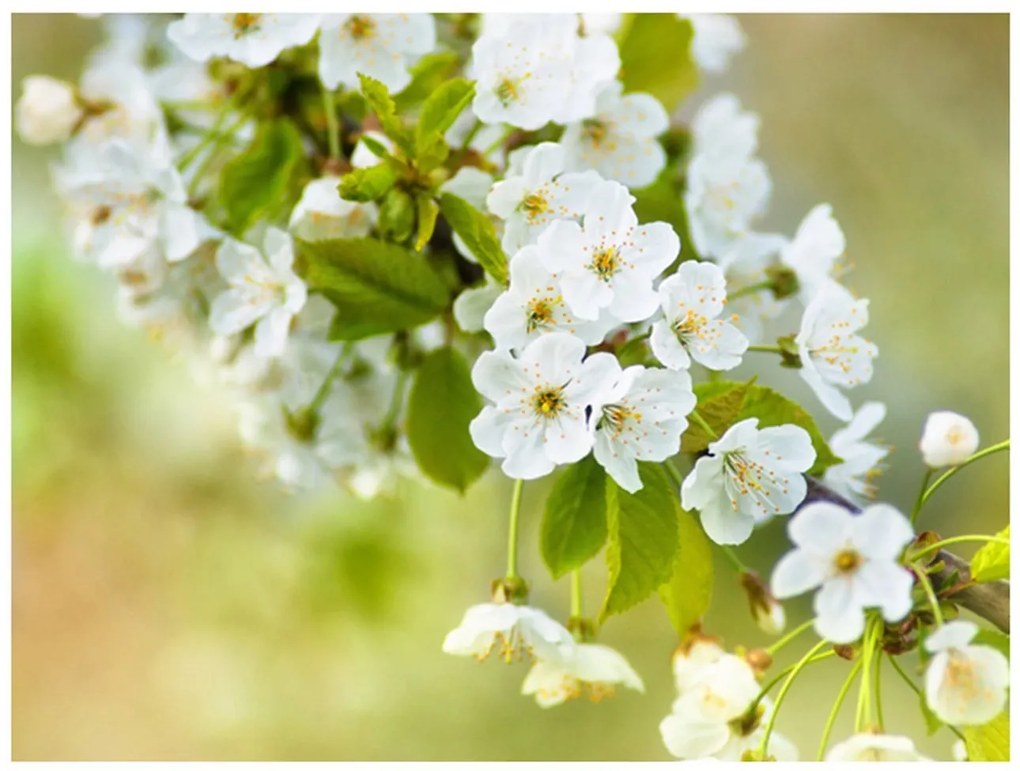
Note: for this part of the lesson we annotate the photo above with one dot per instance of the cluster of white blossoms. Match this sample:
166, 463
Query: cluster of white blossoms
316, 207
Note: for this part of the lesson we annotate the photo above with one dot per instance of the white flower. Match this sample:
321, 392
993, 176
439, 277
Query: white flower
814, 250
533, 305
263, 290
535, 192
129, 111
619, 141
585, 667
362, 157
514, 631
832, 354
721, 128
948, 439
380, 45
639, 415
691, 300
537, 419
47, 111
875, 747
748, 476
322, 213
691, 659
601, 23
254, 39
610, 261
470, 183
854, 561
851, 478
965, 684
717, 37
472, 304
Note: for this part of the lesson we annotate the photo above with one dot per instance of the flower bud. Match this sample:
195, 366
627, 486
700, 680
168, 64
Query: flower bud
948, 439
767, 612
47, 111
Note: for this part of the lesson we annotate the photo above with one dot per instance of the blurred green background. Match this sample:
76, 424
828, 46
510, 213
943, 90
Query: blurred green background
168, 605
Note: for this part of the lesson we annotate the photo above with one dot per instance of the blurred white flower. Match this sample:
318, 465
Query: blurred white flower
262, 290
692, 300
832, 355
380, 45
717, 38
582, 668
852, 477
473, 303
514, 632
321, 213
875, 747
814, 250
47, 111
965, 684
853, 560
254, 39
748, 476
948, 439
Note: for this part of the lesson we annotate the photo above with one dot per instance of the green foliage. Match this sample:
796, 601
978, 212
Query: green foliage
688, 593
993, 638
989, 741
258, 182
427, 74
478, 233
642, 539
376, 286
724, 403
396, 215
437, 115
441, 405
655, 57
991, 562
382, 104
368, 184
428, 211
574, 525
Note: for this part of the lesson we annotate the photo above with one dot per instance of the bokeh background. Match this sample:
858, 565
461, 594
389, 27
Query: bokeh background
169, 605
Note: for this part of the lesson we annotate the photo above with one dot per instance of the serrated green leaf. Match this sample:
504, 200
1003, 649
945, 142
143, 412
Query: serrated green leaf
257, 182
437, 115
427, 74
647, 41
478, 234
993, 638
719, 403
988, 742
376, 286
385, 109
441, 405
642, 539
991, 561
688, 593
367, 184
428, 211
574, 524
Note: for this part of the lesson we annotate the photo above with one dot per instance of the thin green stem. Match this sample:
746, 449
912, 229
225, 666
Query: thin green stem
929, 591
834, 712
792, 635
734, 560
864, 693
751, 289
211, 135
576, 609
327, 382
920, 496
396, 400
332, 124
1003, 445
498, 143
763, 748
221, 139
959, 539
466, 144
878, 689
779, 676
765, 348
913, 686
695, 416
515, 516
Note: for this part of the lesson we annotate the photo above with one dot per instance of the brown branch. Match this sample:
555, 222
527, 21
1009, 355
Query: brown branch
990, 600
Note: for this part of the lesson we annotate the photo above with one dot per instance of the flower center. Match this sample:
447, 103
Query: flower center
540, 312
689, 325
595, 130
549, 402
507, 91
360, 27
100, 215
243, 23
605, 263
847, 561
615, 417
534, 204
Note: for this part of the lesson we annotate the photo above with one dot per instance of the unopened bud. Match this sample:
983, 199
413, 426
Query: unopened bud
510, 589
766, 610
47, 111
784, 281
396, 215
759, 659
948, 439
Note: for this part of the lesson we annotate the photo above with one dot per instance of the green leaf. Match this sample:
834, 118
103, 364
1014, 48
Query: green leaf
427, 74
645, 42
428, 211
642, 539
688, 592
993, 638
719, 404
574, 525
991, 561
437, 115
382, 104
258, 182
663, 201
376, 286
367, 184
478, 234
441, 405
989, 741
